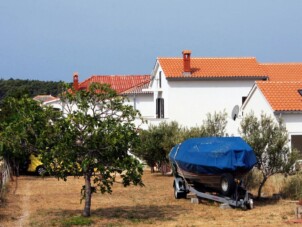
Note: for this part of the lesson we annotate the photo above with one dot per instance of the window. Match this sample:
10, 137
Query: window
159, 79
243, 99
296, 142
160, 112
300, 91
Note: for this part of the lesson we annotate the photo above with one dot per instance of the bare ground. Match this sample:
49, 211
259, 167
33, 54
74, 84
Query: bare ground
35, 201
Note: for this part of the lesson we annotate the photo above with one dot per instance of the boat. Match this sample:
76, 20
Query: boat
215, 163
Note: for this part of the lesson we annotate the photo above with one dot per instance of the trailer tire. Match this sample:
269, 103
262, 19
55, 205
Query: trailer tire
227, 184
179, 194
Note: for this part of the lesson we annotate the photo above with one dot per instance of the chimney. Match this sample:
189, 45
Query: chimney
187, 62
76, 81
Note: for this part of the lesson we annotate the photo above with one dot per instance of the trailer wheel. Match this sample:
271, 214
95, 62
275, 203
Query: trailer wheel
227, 184
179, 194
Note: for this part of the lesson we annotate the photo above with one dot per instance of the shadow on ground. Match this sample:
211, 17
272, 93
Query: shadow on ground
140, 212
261, 202
127, 213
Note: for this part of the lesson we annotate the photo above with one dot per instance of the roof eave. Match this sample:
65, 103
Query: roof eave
215, 78
288, 111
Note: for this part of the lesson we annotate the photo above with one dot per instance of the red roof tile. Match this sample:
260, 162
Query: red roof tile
282, 96
283, 71
120, 83
213, 67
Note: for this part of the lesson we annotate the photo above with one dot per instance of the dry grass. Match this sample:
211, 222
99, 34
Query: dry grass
33, 201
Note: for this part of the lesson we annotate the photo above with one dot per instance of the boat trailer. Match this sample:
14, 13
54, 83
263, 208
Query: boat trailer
240, 199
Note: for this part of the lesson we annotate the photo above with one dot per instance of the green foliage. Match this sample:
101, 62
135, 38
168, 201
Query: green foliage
157, 141
93, 139
269, 140
18, 88
77, 220
215, 124
293, 187
252, 179
22, 122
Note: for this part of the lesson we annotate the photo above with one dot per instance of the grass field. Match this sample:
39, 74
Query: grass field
35, 201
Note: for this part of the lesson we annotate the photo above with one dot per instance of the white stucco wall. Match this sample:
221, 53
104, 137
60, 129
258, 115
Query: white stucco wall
190, 101
143, 103
293, 123
257, 104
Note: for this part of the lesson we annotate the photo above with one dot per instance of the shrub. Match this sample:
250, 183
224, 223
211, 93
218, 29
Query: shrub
252, 179
293, 187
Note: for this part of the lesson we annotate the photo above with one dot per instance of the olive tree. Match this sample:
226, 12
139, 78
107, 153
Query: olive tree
215, 124
92, 140
269, 140
156, 143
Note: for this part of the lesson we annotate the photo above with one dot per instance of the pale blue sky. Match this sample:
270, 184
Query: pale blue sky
51, 39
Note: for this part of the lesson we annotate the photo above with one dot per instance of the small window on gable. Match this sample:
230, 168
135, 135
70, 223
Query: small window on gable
160, 111
300, 91
159, 79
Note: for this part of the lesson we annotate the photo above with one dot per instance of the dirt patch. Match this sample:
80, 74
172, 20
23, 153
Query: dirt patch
35, 201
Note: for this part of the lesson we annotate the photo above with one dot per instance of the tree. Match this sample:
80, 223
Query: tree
156, 143
269, 140
215, 125
93, 139
22, 121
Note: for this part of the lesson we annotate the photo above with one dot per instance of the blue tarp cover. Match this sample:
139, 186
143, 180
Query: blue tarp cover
211, 155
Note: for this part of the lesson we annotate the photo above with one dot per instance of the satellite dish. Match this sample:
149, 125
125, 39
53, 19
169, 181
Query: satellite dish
235, 112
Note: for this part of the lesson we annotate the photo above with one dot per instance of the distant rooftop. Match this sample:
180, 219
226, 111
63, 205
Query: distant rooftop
44, 98
123, 84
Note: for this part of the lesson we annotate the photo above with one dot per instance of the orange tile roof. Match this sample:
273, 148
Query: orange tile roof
213, 67
283, 71
282, 96
120, 83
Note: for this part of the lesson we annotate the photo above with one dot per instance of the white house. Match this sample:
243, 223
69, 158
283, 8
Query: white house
278, 99
186, 89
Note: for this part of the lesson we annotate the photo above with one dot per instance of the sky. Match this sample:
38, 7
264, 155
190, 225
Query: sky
49, 40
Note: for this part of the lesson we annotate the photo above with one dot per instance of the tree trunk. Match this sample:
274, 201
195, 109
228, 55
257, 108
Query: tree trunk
86, 211
152, 169
261, 186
